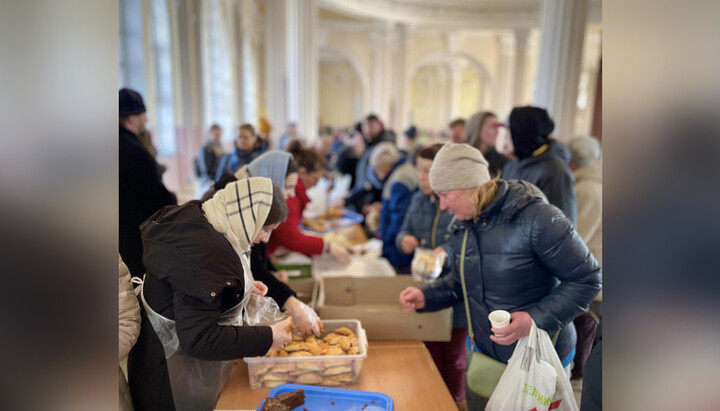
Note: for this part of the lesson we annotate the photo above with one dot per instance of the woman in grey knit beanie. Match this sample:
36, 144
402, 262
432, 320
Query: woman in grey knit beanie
513, 251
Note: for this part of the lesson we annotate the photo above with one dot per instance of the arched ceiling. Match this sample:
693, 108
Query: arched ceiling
451, 13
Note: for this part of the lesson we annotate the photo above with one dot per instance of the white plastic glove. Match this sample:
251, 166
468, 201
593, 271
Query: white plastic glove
281, 332
339, 253
305, 319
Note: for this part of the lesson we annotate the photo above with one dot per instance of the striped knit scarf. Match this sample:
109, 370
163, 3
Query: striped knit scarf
239, 210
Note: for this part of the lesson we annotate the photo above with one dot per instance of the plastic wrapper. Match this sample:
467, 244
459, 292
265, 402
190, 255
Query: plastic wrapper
425, 266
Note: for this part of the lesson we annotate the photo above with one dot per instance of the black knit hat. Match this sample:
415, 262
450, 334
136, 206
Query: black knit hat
530, 128
411, 132
131, 102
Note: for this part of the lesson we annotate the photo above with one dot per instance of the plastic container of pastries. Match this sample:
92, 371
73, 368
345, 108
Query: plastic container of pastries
326, 370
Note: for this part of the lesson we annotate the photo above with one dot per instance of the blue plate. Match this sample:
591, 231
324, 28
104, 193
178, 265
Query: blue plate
338, 399
348, 219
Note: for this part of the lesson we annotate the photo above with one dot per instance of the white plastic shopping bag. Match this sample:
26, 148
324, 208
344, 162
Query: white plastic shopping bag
534, 379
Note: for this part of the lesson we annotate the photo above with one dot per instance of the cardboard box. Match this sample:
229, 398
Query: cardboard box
374, 301
306, 289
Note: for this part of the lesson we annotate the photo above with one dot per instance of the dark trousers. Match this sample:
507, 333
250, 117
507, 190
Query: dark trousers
449, 357
586, 327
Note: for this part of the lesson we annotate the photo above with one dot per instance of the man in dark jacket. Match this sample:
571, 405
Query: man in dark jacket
142, 191
374, 132
541, 161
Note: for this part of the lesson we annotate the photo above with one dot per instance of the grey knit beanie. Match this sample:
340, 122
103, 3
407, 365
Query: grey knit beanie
458, 167
384, 154
583, 150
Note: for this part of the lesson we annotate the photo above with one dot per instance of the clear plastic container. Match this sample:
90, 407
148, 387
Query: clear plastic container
328, 370
425, 267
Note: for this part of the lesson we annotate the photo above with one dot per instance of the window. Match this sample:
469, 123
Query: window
219, 72
132, 56
164, 133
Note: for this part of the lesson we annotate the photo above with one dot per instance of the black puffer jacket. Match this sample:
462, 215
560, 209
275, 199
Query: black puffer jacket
142, 193
521, 255
193, 275
550, 172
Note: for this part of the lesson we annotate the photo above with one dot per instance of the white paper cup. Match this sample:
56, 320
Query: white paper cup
499, 318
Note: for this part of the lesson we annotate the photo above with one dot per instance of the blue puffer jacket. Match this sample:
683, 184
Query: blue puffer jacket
521, 255
429, 225
396, 196
550, 172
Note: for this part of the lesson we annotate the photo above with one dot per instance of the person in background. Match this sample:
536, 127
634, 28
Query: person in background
310, 168
457, 131
195, 292
587, 167
145, 138
511, 250
264, 130
210, 154
541, 160
285, 139
129, 328
248, 147
349, 156
401, 182
410, 143
482, 132
374, 132
141, 190
425, 225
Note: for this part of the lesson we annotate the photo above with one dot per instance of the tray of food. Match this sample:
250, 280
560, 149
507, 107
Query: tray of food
334, 359
297, 397
332, 220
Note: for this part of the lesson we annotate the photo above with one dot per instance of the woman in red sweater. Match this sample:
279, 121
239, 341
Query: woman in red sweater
288, 235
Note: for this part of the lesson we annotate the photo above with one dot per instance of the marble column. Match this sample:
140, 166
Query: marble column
454, 91
521, 42
377, 53
562, 31
303, 65
401, 83
248, 19
275, 53
506, 71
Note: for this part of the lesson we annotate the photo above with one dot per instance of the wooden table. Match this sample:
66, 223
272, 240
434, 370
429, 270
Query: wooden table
403, 370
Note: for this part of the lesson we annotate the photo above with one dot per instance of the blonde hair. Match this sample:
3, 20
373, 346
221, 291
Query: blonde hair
485, 194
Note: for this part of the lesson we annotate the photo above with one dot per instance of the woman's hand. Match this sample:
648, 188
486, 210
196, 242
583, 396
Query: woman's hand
281, 333
412, 299
305, 318
259, 288
520, 324
408, 243
439, 252
339, 253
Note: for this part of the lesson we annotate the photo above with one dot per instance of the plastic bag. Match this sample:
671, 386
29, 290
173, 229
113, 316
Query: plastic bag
534, 378
425, 266
262, 311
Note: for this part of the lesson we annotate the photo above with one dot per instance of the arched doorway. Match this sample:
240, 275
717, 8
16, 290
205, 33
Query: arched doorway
447, 85
344, 94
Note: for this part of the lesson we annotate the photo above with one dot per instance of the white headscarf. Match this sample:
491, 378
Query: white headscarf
239, 210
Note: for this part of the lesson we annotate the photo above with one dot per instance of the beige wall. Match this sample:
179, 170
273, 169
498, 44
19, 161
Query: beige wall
339, 89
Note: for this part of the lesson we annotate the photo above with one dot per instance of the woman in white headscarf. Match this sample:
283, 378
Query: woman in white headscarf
196, 290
